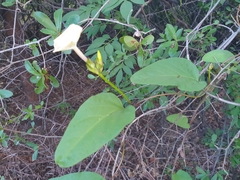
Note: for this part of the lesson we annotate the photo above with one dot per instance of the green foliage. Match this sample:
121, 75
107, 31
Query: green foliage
202, 39
29, 113
40, 77
97, 121
80, 176
170, 41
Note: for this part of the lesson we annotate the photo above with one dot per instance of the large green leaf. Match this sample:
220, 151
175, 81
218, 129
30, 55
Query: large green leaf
217, 56
44, 20
178, 72
97, 121
80, 176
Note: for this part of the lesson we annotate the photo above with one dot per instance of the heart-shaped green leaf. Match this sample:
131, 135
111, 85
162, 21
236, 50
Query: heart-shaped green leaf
178, 72
179, 120
217, 56
80, 176
100, 119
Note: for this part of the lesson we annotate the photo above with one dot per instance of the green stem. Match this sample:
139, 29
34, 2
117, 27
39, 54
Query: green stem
114, 86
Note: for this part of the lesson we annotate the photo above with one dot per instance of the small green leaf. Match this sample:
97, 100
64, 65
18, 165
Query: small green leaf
99, 119
127, 70
119, 77
181, 175
179, 120
35, 51
40, 86
147, 40
36, 66
35, 79
44, 20
58, 19
140, 58
170, 32
109, 49
35, 155
80, 176
30, 68
4, 143
214, 137
48, 31
178, 72
54, 81
126, 10
5, 93
217, 56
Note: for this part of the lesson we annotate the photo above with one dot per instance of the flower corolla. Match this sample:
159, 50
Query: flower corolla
68, 39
